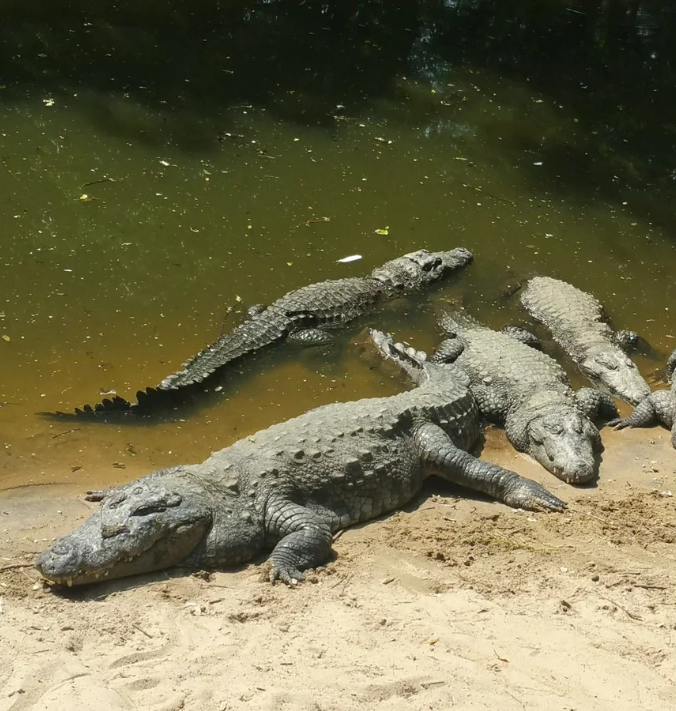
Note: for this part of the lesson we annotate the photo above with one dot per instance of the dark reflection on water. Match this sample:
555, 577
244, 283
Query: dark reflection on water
163, 161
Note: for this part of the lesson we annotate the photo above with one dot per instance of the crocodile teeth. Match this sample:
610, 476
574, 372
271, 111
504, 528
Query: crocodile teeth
69, 582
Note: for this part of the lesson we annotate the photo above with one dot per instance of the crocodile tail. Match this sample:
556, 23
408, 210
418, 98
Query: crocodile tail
146, 401
256, 333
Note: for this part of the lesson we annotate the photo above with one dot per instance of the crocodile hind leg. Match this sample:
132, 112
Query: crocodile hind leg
594, 403
659, 406
435, 446
628, 341
310, 337
523, 335
305, 540
448, 351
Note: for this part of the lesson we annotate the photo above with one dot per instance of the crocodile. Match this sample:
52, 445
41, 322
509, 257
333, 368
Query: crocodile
304, 316
579, 325
658, 407
528, 393
294, 484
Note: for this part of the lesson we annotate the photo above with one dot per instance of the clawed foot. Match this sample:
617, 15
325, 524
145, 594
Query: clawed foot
288, 575
618, 423
95, 495
527, 494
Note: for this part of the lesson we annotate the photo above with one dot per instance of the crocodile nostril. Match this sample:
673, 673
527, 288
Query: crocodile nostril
61, 548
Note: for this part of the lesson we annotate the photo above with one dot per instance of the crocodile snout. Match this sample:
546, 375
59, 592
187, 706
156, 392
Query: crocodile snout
59, 561
579, 472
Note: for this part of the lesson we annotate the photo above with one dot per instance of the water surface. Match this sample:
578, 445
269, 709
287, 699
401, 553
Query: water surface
156, 170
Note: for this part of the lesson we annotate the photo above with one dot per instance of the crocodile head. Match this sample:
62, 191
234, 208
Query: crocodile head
615, 373
565, 443
419, 268
167, 518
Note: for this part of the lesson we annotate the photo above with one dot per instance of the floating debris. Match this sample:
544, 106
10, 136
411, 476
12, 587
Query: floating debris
351, 258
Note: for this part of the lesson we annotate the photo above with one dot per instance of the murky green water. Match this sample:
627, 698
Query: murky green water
159, 166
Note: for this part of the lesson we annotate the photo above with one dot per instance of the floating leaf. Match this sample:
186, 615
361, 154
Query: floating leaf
384, 232
6, 338
351, 258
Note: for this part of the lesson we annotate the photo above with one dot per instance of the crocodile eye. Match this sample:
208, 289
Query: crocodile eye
158, 505
148, 509
115, 500
554, 428
606, 363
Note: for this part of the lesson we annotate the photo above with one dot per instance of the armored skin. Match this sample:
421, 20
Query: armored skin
579, 325
304, 316
291, 486
658, 407
528, 393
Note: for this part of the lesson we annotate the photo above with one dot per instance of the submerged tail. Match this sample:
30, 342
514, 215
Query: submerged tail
256, 333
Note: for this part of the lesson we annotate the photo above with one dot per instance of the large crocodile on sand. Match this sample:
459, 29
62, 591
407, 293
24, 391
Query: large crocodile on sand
304, 316
658, 407
578, 323
528, 393
293, 485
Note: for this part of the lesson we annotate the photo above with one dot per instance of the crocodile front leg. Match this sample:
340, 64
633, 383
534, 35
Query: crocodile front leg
671, 366
305, 540
659, 406
594, 403
435, 446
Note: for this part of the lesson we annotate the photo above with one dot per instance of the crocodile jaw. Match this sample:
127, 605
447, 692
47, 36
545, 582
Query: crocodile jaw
86, 556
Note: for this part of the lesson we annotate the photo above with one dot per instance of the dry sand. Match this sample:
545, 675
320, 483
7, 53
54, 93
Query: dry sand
456, 602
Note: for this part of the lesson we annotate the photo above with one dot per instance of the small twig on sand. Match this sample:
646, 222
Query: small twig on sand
624, 609
141, 630
76, 429
344, 581
14, 566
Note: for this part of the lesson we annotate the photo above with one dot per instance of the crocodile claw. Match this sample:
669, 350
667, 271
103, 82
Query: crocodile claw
288, 575
529, 495
618, 424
